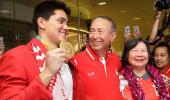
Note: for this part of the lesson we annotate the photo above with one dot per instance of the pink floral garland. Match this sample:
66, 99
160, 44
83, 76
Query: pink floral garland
136, 90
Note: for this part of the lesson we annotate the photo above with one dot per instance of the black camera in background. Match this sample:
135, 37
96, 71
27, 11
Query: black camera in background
162, 4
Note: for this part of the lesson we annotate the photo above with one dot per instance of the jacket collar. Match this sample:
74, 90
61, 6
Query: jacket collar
167, 70
93, 56
37, 42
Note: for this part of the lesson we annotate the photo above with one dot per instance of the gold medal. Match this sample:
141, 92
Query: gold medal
67, 46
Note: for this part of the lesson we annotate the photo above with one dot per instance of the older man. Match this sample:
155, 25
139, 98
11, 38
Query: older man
95, 69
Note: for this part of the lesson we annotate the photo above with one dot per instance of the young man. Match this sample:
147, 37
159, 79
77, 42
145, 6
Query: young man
161, 54
95, 69
37, 71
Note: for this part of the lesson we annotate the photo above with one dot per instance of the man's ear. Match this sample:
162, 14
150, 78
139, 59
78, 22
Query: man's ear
40, 22
113, 36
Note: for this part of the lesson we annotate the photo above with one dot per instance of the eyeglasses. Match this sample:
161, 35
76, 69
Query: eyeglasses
139, 50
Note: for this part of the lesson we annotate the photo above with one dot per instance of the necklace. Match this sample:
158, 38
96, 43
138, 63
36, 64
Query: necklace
40, 58
44, 42
136, 90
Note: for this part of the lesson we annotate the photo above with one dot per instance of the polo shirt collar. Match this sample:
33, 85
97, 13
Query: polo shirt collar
93, 56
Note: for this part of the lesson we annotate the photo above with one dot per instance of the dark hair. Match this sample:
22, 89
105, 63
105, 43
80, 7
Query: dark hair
113, 24
162, 44
46, 9
130, 44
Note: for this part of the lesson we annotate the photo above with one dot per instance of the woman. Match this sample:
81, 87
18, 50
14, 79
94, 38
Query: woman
139, 79
161, 54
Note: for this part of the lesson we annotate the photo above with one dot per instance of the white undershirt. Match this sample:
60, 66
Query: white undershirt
103, 61
66, 80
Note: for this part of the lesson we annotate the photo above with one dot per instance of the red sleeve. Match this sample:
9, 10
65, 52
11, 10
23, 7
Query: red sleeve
15, 83
119, 64
78, 87
117, 61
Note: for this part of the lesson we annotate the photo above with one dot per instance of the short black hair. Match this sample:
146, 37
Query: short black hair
113, 24
45, 9
162, 44
130, 44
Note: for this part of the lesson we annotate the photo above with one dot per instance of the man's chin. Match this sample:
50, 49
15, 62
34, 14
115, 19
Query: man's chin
160, 67
63, 40
96, 48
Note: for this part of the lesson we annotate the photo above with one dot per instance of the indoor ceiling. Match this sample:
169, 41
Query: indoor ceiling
113, 8
123, 12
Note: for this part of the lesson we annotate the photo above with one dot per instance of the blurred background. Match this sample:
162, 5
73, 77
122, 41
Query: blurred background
16, 15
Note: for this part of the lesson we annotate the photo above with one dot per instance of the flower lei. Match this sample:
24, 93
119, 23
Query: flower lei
136, 90
40, 58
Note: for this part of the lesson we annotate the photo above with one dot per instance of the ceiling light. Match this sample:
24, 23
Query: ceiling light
5, 11
102, 3
123, 11
136, 18
75, 29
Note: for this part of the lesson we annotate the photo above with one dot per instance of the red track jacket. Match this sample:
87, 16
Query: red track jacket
19, 75
92, 80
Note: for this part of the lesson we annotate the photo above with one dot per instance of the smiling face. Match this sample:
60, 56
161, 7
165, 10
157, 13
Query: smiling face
138, 56
161, 56
55, 28
101, 35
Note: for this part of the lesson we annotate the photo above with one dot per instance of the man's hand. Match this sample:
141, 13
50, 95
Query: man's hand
54, 60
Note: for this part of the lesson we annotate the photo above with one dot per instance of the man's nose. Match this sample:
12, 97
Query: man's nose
95, 35
65, 26
158, 57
